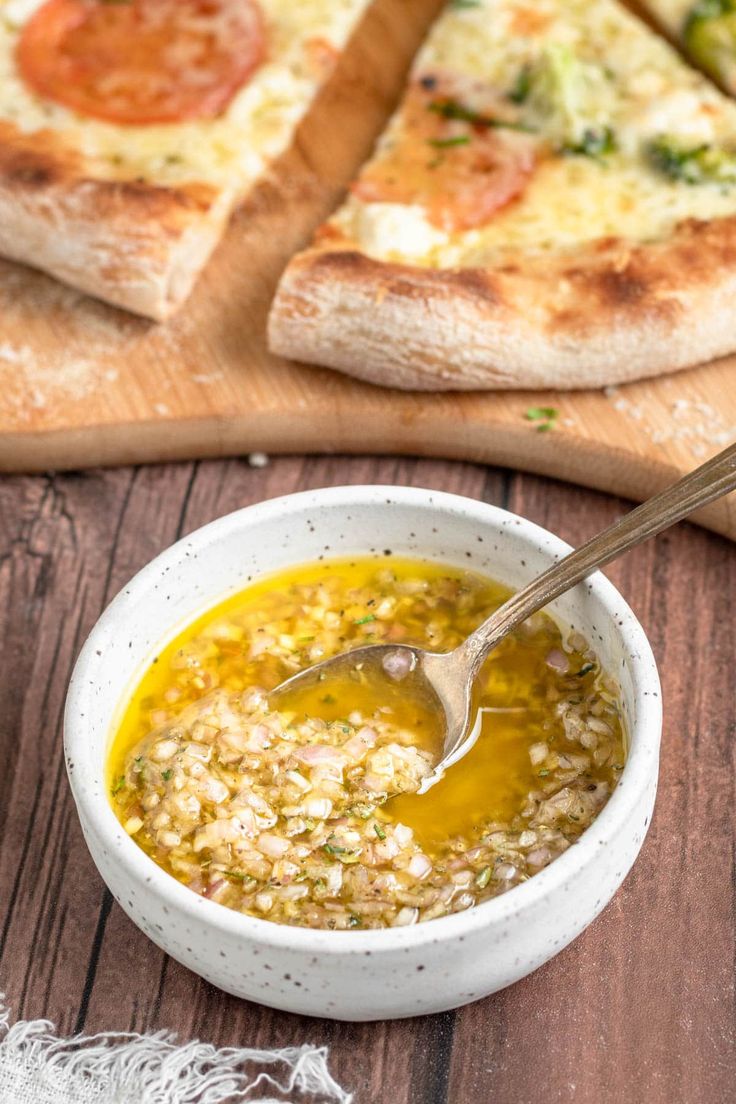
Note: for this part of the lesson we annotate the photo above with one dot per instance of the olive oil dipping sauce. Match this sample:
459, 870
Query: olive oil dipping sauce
304, 810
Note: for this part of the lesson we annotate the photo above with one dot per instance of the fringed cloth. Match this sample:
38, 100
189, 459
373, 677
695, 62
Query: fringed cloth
36, 1067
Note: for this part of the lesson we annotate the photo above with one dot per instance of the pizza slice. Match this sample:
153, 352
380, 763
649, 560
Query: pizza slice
553, 204
705, 29
129, 129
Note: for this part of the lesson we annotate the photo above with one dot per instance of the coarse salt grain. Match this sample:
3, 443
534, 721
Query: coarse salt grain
258, 460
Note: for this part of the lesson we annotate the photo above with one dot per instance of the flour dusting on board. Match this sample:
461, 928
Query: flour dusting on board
39, 381
72, 350
694, 426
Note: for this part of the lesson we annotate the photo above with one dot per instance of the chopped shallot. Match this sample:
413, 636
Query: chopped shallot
288, 816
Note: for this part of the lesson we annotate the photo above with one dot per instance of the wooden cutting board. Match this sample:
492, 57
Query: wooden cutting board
83, 384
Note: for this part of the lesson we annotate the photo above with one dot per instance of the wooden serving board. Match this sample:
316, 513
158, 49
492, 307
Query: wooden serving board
83, 384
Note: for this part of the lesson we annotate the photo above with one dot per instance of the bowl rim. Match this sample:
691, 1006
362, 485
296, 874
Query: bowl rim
95, 810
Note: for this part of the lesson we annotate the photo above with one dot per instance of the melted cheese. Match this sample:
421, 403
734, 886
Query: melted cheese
404, 226
230, 151
570, 199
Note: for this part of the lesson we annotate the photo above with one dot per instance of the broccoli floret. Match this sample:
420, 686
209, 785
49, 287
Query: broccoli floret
568, 98
703, 164
709, 35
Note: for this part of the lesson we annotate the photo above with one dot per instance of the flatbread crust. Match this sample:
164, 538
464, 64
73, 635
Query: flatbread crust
132, 243
603, 314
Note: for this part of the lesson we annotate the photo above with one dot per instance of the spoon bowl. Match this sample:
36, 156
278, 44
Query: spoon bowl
403, 670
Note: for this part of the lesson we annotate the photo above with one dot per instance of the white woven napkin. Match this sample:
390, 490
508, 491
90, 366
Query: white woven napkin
116, 1068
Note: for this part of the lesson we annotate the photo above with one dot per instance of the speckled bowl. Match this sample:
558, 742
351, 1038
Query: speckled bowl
375, 974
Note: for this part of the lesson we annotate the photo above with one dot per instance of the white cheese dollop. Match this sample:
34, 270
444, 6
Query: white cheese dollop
681, 113
18, 11
396, 228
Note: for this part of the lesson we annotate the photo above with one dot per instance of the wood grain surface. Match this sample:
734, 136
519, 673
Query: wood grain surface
639, 1010
84, 384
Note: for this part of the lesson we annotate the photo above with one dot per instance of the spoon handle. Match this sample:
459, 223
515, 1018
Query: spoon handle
714, 478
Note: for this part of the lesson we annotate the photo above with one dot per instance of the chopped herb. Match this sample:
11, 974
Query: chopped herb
595, 142
453, 109
166, 775
118, 785
328, 699
461, 5
522, 86
446, 143
571, 816
305, 639
365, 620
483, 878
584, 670
544, 773
541, 413
379, 831
355, 921
546, 416
238, 877
333, 849
344, 854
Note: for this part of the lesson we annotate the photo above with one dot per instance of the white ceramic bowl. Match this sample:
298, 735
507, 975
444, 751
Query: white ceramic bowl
375, 974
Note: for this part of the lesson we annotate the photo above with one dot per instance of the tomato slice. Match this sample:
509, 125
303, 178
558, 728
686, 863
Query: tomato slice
142, 61
460, 165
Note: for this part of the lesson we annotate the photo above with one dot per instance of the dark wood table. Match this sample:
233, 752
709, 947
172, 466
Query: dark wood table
639, 1010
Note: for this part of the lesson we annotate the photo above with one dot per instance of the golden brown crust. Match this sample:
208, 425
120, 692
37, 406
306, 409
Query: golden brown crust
601, 314
130, 242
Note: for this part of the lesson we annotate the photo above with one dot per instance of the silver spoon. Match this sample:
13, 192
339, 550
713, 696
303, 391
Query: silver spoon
449, 677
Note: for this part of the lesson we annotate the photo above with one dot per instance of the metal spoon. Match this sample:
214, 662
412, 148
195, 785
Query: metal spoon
449, 677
